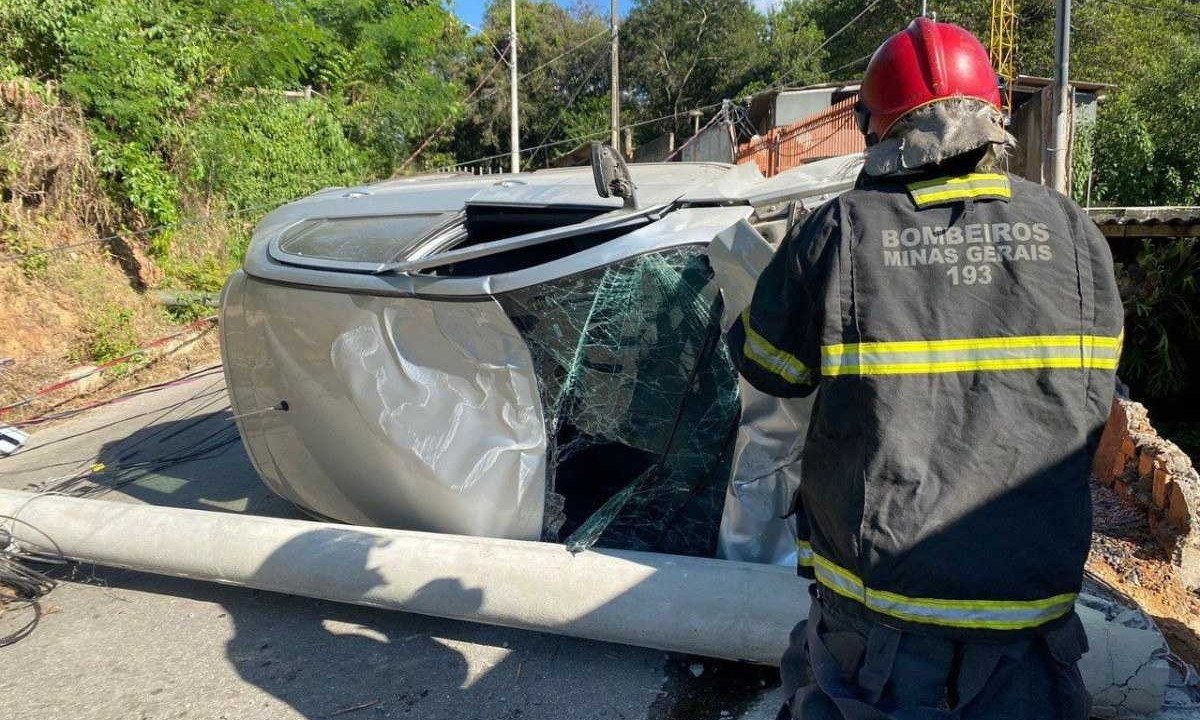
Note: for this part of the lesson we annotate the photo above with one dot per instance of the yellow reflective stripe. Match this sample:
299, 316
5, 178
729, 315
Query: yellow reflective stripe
771, 358
937, 603
975, 185
1031, 352
962, 194
804, 553
975, 614
1012, 341
961, 180
972, 366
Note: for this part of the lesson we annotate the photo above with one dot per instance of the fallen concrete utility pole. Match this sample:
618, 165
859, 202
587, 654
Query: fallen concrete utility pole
701, 606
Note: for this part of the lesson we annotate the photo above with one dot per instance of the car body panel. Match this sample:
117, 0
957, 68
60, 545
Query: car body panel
413, 399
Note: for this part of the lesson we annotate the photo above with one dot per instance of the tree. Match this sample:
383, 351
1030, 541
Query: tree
683, 54
397, 68
789, 51
563, 86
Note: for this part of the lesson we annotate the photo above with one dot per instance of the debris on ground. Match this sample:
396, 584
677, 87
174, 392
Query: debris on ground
11, 439
721, 689
1126, 555
1153, 475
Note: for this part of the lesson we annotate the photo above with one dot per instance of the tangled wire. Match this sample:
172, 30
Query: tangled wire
21, 587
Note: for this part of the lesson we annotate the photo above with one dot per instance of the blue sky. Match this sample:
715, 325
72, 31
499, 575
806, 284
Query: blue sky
472, 11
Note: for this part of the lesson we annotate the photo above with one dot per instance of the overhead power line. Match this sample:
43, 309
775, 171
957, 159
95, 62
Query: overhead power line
449, 118
847, 66
583, 84
564, 53
779, 85
476, 95
782, 82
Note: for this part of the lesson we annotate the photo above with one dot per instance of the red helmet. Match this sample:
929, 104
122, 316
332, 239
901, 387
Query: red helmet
926, 62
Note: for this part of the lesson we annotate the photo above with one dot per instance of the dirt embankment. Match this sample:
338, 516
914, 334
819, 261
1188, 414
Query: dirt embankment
71, 297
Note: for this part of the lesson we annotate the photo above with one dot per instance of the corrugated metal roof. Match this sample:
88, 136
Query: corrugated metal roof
1165, 221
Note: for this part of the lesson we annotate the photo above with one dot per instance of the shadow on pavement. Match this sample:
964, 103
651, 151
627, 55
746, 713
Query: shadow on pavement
332, 660
193, 462
328, 660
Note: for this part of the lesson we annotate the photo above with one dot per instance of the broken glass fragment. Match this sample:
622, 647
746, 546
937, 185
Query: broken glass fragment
640, 399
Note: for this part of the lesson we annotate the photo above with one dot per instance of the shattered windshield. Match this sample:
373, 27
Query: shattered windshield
640, 398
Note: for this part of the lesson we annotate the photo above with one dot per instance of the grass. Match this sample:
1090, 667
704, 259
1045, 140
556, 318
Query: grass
111, 335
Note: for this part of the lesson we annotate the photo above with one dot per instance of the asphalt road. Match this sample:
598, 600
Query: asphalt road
116, 644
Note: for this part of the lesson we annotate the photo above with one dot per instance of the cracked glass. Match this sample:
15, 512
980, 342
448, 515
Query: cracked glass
641, 402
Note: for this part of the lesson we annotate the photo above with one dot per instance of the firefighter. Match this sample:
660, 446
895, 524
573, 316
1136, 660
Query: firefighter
961, 328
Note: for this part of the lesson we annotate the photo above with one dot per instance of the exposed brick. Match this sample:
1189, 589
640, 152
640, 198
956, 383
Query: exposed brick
1178, 513
1151, 472
1115, 446
1145, 467
1123, 488
1158, 494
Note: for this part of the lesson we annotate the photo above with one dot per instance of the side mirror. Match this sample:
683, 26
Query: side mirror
612, 175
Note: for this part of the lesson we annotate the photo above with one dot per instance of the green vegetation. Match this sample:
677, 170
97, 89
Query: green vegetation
184, 99
136, 114
260, 150
111, 335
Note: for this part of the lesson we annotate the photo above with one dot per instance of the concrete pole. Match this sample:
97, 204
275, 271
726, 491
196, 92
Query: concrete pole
697, 606
1061, 143
615, 80
514, 137
701, 606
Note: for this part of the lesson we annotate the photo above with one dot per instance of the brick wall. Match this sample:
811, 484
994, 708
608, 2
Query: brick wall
1154, 473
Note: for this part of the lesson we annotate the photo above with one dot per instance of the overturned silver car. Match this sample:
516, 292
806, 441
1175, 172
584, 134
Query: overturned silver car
523, 356
541, 356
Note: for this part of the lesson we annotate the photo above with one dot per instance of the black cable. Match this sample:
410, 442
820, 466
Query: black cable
211, 217
18, 635
28, 584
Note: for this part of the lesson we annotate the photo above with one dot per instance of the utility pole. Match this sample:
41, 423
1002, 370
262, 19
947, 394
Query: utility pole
615, 86
514, 137
1061, 143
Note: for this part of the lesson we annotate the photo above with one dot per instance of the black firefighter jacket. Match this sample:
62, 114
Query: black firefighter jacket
962, 334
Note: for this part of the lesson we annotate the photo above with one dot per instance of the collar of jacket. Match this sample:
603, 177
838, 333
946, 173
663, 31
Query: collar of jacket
956, 166
934, 135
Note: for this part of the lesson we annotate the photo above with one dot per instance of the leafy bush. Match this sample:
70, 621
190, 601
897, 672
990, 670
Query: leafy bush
33, 35
1161, 293
141, 178
132, 65
262, 150
1146, 149
34, 265
206, 274
111, 336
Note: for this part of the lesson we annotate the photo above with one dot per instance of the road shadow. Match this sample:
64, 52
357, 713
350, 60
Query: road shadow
193, 462
331, 660
326, 659
348, 662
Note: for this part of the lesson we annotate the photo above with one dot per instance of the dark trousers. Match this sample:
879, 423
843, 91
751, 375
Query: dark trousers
843, 667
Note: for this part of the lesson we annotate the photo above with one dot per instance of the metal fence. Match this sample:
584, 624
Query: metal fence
829, 133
